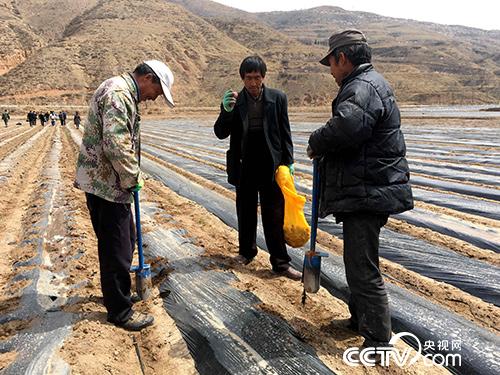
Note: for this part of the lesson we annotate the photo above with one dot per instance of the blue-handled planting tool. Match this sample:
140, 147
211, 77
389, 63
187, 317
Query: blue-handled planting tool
143, 283
311, 270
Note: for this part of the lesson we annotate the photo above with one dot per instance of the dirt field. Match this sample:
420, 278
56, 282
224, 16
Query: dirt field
51, 314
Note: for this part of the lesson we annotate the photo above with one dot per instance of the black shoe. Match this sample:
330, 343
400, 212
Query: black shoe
347, 324
241, 259
136, 322
290, 273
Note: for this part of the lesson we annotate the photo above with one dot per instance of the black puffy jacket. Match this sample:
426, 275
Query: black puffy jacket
276, 130
363, 166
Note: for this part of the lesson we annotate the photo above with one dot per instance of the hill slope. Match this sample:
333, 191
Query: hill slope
58, 51
50, 17
425, 62
17, 39
112, 38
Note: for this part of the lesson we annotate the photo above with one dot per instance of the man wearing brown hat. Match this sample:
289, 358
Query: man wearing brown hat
364, 176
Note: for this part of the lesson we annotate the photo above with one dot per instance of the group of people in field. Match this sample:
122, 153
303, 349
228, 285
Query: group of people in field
45, 118
52, 117
360, 150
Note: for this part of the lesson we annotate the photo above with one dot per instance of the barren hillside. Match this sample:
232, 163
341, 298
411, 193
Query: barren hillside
50, 17
59, 51
425, 62
17, 39
292, 66
112, 38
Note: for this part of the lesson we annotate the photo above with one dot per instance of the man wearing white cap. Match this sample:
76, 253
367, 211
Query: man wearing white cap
108, 172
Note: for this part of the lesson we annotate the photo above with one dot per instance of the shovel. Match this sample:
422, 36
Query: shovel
312, 260
143, 283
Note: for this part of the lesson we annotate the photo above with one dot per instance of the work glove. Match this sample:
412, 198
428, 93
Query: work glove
291, 167
229, 100
139, 186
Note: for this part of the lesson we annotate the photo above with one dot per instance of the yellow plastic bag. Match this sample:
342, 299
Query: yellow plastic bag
295, 227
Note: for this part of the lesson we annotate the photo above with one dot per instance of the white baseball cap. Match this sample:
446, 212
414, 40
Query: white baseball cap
166, 78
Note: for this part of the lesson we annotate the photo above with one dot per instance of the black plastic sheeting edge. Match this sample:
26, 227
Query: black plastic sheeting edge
477, 191
478, 278
473, 276
452, 184
482, 239
410, 313
469, 204
224, 330
482, 243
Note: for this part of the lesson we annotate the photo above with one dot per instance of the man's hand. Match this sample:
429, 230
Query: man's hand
310, 153
229, 100
139, 186
291, 167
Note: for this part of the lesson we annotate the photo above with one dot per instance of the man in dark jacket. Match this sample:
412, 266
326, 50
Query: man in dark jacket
41, 117
77, 119
6, 117
256, 118
31, 118
364, 176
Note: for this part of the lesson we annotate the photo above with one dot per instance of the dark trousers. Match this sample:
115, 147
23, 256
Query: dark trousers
114, 227
272, 207
368, 302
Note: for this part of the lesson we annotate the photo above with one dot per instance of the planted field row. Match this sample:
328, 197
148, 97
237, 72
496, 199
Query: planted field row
228, 314
414, 253
465, 202
410, 312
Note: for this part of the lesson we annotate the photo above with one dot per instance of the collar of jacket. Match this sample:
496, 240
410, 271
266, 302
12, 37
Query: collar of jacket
132, 86
242, 105
357, 71
242, 99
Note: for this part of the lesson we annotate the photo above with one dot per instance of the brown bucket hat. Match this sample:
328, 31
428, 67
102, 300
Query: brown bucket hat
345, 38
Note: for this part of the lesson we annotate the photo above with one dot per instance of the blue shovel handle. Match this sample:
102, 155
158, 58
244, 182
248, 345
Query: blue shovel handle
315, 204
138, 230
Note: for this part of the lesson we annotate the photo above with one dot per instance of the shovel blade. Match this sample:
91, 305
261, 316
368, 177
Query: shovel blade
143, 282
311, 273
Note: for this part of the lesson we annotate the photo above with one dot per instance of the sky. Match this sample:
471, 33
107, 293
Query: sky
483, 14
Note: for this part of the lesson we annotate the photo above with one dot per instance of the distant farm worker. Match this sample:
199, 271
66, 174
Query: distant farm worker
108, 172
41, 117
6, 117
77, 119
32, 118
53, 118
364, 176
256, 119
